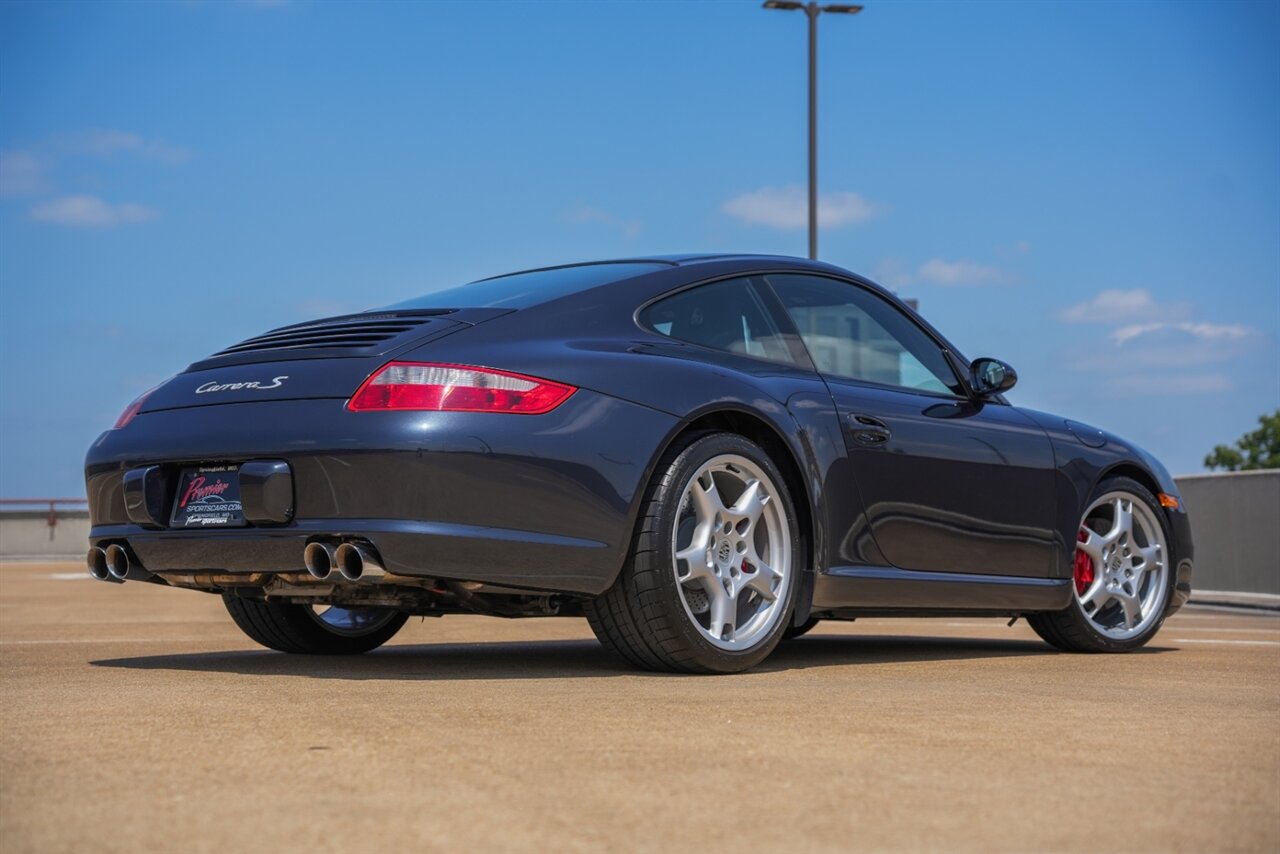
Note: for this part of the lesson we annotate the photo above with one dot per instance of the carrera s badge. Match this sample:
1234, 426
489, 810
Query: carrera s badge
276, 382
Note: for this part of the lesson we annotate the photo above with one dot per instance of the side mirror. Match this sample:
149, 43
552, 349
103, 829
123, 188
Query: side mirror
991, 376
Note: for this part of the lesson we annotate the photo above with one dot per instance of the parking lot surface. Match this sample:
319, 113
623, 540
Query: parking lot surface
136, 718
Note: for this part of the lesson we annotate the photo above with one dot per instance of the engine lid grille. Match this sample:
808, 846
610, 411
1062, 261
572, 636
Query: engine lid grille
353, 334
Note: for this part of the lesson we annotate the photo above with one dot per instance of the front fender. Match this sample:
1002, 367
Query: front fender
1084, 456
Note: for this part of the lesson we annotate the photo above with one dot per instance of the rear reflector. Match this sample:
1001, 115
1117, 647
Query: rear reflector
456, 388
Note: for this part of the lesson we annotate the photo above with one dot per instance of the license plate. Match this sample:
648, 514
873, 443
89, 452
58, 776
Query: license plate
208, 497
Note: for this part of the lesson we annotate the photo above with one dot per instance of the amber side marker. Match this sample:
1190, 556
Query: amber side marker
1170, 501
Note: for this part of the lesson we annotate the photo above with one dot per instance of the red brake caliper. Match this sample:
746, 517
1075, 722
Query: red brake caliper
1083, 565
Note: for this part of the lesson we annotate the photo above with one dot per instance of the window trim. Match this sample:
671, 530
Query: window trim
783, 318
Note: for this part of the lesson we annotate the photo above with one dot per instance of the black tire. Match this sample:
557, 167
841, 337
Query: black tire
1070, 630
295, 628
642, 616
793, 632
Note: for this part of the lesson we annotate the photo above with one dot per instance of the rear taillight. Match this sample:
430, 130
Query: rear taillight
456, 388
132, 409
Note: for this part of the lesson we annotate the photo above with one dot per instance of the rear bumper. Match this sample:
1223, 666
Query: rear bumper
541, 502
429, 549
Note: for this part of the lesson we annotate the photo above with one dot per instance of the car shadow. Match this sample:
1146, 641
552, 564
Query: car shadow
560, 659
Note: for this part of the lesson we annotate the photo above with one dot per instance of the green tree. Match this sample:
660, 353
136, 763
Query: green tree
1257, 450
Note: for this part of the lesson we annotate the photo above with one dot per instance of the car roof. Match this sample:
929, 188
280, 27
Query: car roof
525, 289
685, 260
674, 260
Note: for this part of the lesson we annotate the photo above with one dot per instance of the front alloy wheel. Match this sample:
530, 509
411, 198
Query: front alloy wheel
1121, 572
1121, 576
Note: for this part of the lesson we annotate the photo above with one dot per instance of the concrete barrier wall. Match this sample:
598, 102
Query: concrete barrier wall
1235, 521
27, 533
1235, 518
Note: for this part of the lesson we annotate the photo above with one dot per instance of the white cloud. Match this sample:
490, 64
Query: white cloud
1139, 347
788, 208
103, 142
952, 273
895, 273
1134, 330
24, 173
1214, 331
21, 173
1167, 384
1202, 331
1116, 307
588, 214
90, 212
1154, 348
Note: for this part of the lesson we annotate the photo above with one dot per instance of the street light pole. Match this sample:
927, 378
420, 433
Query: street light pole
812, 11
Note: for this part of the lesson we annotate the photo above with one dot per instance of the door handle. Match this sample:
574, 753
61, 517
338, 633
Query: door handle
868, 430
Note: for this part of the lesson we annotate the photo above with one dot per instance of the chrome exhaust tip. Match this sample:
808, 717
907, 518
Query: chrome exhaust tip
98, 567
320, 560
117, 560
359, 562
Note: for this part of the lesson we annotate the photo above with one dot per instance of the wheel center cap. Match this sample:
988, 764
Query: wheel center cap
725, 551
1115, 565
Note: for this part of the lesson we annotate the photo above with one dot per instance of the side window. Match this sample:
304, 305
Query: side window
851, 332
727, 315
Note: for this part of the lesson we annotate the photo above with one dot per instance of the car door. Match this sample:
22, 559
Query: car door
949, 484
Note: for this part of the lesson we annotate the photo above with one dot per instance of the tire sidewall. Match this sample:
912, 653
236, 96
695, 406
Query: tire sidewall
286, 627
801, 630
670, 491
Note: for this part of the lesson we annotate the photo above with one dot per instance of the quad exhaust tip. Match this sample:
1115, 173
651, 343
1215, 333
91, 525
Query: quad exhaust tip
359, 562
320, 560
117, 562
353, 561
99, 566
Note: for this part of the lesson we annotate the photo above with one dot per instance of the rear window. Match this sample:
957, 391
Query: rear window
521, 290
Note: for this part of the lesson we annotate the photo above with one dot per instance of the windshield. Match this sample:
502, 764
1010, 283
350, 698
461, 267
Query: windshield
521, 290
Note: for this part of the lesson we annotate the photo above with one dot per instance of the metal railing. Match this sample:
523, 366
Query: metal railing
41, 503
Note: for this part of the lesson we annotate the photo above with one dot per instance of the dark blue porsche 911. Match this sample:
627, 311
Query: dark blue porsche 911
704, 455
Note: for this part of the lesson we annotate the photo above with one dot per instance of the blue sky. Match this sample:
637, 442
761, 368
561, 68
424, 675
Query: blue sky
1090, 191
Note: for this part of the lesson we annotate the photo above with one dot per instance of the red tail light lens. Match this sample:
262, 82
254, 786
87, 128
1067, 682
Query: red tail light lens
456, 388
132, 409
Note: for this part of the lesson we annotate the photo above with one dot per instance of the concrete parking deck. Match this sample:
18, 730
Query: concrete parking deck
136, 718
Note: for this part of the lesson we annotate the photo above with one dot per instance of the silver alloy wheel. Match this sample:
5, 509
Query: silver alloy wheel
1122, 566
350, 622
732, 552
